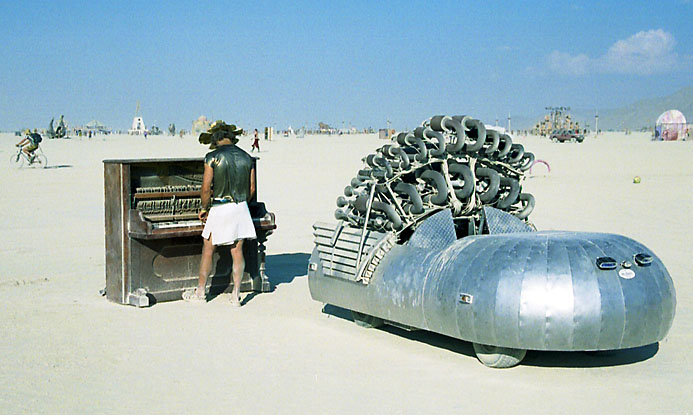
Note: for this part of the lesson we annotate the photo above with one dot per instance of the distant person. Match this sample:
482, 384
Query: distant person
256, 142
30, 144
228, 184
145, 134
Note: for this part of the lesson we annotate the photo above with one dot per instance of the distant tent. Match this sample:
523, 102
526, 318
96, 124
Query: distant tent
200, 125
96, 126
671, 126
137, 126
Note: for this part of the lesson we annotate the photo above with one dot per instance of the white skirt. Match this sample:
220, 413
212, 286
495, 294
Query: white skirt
229, 222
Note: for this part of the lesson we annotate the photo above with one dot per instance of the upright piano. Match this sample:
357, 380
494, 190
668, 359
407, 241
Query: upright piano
153, 234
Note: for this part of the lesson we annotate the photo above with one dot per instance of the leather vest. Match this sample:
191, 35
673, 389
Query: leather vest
231, 167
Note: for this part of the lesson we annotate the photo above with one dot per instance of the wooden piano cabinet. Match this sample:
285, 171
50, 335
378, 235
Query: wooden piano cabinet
148, 262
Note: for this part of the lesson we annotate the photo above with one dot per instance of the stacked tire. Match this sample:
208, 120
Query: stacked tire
448, 162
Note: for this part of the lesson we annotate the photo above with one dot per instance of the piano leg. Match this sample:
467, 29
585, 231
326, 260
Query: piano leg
264, 285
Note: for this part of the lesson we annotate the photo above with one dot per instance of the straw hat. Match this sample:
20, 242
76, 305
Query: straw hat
218, 131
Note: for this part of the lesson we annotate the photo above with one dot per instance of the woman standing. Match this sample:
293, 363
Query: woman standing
256, 142
227, 186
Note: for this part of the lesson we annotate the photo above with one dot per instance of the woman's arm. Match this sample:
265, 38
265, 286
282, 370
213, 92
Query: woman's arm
206, 193
252, 183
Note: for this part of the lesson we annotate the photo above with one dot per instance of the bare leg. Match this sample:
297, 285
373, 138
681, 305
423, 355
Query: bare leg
205, 264
238, 268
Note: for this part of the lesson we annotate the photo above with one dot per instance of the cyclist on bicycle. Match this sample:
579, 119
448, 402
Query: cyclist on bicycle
30, 144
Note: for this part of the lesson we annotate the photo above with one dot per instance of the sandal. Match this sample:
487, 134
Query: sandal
235, 301
191, 296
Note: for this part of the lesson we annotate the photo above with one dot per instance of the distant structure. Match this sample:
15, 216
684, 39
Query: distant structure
301, 132
325, 128
138, 126
383, 134
200, 125
671, 126
59, 132
558, 118
269, 133
96, 127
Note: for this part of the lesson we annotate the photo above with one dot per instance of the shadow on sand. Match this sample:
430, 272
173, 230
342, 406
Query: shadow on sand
283, 268
280, 268
533, 358
58, 166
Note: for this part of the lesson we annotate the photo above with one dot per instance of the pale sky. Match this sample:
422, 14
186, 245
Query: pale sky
354, 62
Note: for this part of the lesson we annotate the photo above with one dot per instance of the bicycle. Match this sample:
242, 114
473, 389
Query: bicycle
20, 159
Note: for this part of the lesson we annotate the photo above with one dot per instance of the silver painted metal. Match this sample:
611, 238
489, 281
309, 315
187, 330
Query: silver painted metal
434, 235
521, 290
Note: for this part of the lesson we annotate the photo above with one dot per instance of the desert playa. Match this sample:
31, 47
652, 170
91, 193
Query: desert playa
66, 349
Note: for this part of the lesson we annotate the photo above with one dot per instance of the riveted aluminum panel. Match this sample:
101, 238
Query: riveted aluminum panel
538, 290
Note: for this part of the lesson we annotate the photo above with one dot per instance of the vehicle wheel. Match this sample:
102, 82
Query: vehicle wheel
41, 160
498, 357
366, 321
554, 139
16, 161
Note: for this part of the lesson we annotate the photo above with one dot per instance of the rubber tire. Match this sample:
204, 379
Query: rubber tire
366, 321
463, 171
494, 182
527, 161
529, 206
41, 160
516, 153
504, 202
498, 357
15, 162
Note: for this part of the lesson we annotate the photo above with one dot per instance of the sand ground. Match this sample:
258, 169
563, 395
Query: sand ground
66, 349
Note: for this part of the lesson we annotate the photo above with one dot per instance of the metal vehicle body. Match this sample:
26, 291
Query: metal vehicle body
505, 292
411, 251
562, 136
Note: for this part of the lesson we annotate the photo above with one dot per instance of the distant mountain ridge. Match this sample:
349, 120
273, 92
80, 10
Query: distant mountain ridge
644, 113
640, 114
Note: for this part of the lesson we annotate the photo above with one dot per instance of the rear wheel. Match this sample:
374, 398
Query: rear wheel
498, 357
40, 160
16, 160
366, 321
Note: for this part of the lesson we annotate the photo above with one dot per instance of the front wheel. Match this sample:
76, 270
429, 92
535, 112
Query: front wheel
498, 357
41, 160
16, 160
366, 321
